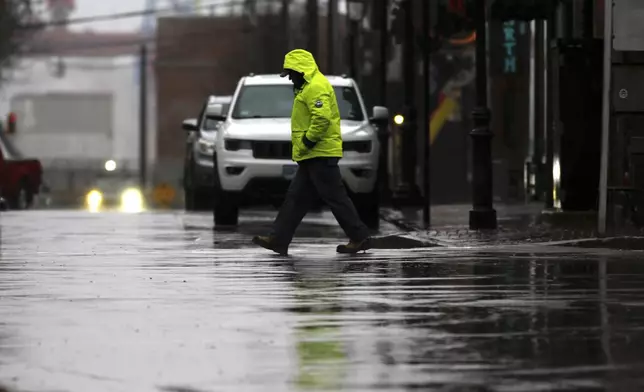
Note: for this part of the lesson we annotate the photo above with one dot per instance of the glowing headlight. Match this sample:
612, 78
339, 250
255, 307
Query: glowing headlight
131, 201
94, 199
399, 119
556, 171
205, 147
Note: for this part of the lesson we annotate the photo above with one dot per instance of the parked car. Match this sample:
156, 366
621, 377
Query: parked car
252, 146
198, 175
20, 178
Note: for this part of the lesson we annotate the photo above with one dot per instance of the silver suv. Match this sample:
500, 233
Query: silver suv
198, 179
252, 149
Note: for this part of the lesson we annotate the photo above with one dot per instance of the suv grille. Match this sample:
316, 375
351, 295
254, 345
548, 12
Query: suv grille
272, 150
283, 150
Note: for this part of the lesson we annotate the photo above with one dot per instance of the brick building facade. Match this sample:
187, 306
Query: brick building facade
201, 56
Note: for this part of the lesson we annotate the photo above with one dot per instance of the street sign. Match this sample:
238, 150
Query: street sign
628, 29
509, 48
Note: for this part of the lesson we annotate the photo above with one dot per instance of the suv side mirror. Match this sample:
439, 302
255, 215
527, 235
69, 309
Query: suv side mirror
189, 125
216, 112
380, 114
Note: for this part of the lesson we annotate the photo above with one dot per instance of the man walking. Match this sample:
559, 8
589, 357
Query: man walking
317, 148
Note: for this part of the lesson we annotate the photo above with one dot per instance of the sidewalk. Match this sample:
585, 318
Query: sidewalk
517, 224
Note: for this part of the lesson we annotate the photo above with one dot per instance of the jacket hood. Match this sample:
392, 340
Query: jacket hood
301, 61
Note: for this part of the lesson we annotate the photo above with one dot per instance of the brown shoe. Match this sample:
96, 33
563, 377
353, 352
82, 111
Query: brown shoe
355, 247
267, 243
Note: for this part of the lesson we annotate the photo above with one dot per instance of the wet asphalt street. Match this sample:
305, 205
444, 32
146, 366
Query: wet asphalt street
160, 302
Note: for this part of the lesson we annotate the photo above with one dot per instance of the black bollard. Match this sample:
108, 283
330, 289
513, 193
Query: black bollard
483, 214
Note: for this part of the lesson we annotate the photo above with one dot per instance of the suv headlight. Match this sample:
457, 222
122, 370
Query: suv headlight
206, 147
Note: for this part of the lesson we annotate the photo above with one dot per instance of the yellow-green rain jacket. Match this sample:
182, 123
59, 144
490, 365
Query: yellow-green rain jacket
315, 110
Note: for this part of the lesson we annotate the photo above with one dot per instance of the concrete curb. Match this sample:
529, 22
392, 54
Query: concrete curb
403, 241
542, 234
399, 222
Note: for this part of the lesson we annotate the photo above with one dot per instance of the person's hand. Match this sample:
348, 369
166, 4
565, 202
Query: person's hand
308, 143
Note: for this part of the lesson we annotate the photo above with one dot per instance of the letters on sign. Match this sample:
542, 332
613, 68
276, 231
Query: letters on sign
510, 44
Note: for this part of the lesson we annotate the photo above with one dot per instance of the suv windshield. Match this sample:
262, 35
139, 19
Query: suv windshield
276, 101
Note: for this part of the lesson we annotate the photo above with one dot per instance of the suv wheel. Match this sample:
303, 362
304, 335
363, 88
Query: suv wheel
226, 211
188, 190
226, 204
196, 198
368, 207
189, 199
202, 199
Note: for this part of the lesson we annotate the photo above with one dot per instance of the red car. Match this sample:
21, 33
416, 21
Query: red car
20, 178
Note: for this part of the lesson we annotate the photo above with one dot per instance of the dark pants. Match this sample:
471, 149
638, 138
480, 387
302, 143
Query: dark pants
317, 178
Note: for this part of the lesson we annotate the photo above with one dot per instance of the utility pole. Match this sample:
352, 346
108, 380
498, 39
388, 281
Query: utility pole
539, 109
384, 41
330, 40
143, 117
409, 142
482, 215
312, 29
286, 25
606, 117
426, 117
551, 111
382, 16
353, 70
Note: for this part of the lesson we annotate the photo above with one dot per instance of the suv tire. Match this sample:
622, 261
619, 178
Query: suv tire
196, 198
188, 190
189, 199
226, 210
202, 199
226, 204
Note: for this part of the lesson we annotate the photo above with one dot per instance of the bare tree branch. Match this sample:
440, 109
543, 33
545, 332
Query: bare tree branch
14, 15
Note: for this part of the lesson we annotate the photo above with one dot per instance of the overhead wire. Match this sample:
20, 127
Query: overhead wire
156, 41
125, 15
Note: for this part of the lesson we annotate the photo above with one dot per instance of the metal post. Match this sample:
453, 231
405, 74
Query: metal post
603, 174
383, 129
539, 107
551, 110
286, 25
482, 215
352, 49
384, 40
409, 136
312, 27
330, 30
143, 117
426, 118
589, 19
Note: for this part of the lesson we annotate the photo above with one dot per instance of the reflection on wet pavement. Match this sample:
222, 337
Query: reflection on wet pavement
158, 302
